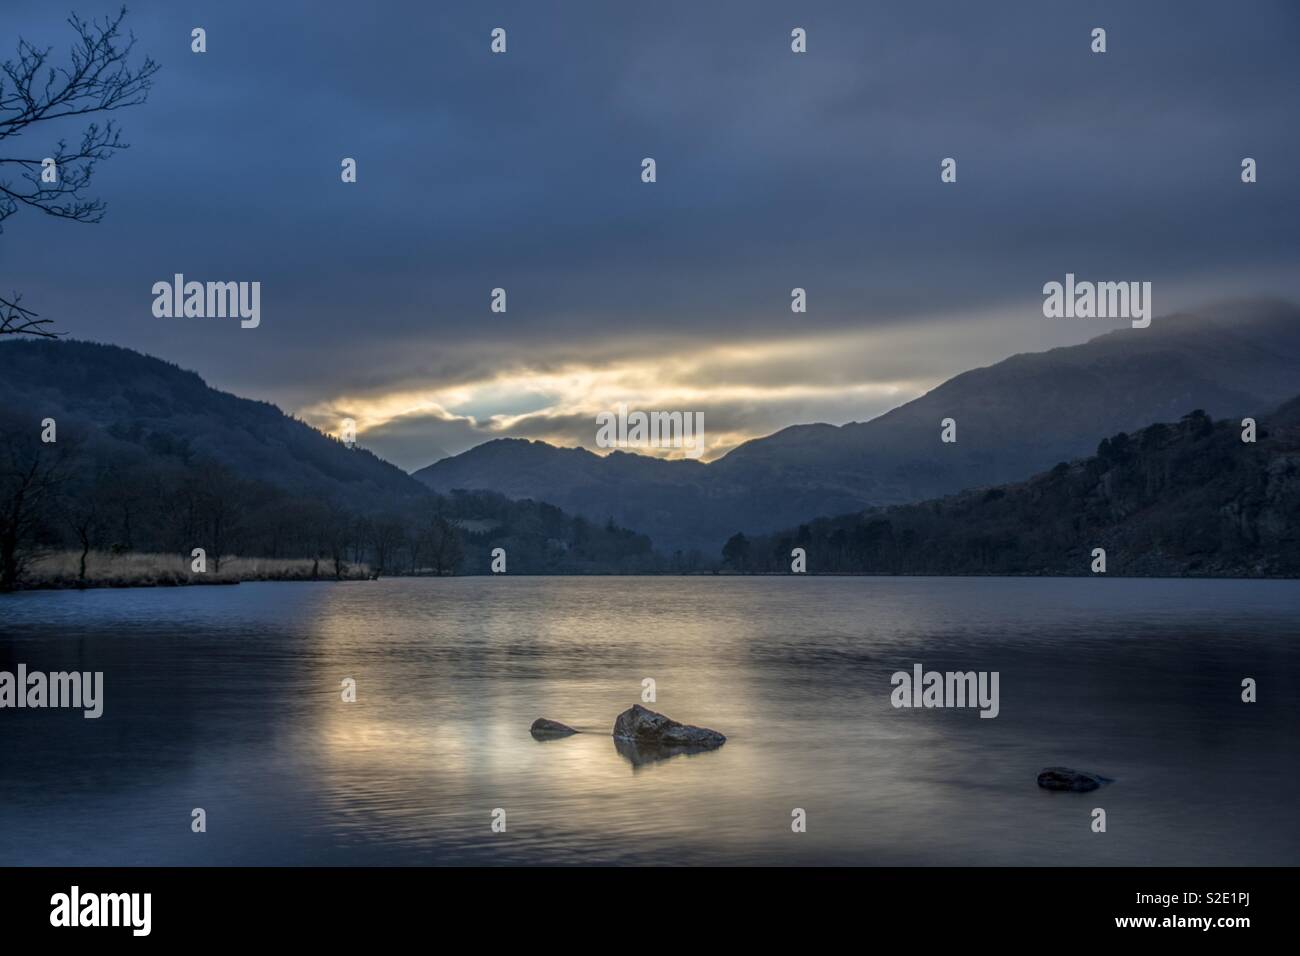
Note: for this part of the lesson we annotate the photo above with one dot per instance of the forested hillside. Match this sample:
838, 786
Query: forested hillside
1187, 498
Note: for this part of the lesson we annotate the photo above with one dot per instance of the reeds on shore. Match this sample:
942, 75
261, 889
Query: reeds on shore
62, 569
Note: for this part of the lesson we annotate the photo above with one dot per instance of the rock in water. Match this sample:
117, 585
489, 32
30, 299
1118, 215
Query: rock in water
1064, 778
647, 727
550, 728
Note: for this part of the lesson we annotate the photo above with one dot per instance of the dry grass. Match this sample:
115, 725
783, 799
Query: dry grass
61, 570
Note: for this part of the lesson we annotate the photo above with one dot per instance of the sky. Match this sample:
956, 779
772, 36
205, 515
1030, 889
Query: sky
774, 170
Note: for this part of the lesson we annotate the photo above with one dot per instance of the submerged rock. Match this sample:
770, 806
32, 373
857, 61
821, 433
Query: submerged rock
1064, 778
647, 728
547, 729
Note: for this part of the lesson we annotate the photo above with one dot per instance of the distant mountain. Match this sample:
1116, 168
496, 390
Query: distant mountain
131, 399
1187, 498
637, 491
1013, 419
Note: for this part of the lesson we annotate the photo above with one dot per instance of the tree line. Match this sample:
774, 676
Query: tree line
82, 493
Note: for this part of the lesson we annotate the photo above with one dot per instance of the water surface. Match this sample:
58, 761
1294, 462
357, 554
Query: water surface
228, 698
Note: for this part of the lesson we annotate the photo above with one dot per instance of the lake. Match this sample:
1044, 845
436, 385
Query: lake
228, 699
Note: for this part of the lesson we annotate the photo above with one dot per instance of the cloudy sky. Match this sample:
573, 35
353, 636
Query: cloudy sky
775, 170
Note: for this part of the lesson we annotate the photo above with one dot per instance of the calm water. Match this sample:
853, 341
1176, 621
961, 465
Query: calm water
227, 698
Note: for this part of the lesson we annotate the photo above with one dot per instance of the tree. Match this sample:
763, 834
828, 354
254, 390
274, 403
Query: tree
386, 535
31, 476
221, 512
124, 496
85, 518
96, 79
736, 551
415, 546
334, 534
15, 320
443, 545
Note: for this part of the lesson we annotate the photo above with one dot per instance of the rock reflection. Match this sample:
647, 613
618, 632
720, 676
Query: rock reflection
641, 754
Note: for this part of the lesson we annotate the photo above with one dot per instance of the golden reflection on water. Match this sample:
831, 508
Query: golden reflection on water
452, 672
439, 735
229, 698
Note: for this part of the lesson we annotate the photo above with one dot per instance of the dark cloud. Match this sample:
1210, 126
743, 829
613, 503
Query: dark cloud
775, 170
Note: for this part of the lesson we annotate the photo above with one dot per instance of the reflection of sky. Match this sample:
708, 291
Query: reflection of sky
228, 698
439, 736
798, 678
775, 170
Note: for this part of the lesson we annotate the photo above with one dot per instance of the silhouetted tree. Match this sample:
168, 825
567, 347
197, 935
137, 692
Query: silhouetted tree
442, 544
736, 551
85, 517
32, 473
95, 79
387, 533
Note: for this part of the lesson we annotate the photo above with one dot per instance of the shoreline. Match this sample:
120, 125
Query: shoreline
119, 584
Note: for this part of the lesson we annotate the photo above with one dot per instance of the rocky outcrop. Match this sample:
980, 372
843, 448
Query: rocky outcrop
650, 729
1065, 778
545, 729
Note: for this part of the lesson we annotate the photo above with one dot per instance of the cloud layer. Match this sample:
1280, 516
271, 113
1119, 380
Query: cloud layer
775, 170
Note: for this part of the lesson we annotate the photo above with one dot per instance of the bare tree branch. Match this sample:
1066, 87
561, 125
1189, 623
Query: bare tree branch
97, 78
15, 320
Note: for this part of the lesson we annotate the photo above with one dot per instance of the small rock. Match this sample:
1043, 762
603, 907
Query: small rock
647, 727
550, 728
1064, 778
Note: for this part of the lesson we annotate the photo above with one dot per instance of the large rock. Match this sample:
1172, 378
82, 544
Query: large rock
1065, 778
645, 727
548, 729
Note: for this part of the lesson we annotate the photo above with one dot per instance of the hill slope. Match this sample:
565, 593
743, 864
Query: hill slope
131, 399
1184, 498
150, 460
1014, 418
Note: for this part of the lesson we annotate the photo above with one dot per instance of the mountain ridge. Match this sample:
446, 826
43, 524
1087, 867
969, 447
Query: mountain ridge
1189, 497
1014, 418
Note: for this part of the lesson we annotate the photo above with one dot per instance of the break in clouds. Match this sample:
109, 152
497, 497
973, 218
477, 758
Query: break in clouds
743, 390
773, 171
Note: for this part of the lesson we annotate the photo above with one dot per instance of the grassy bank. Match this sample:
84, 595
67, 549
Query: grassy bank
104, 570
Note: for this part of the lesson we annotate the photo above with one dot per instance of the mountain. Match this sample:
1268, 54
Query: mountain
150, 461
637, 491
1014, 418
124, 398
1187, 498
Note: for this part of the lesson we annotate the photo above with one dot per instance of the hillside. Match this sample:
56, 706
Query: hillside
151, 462
1187, 498
125, 398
